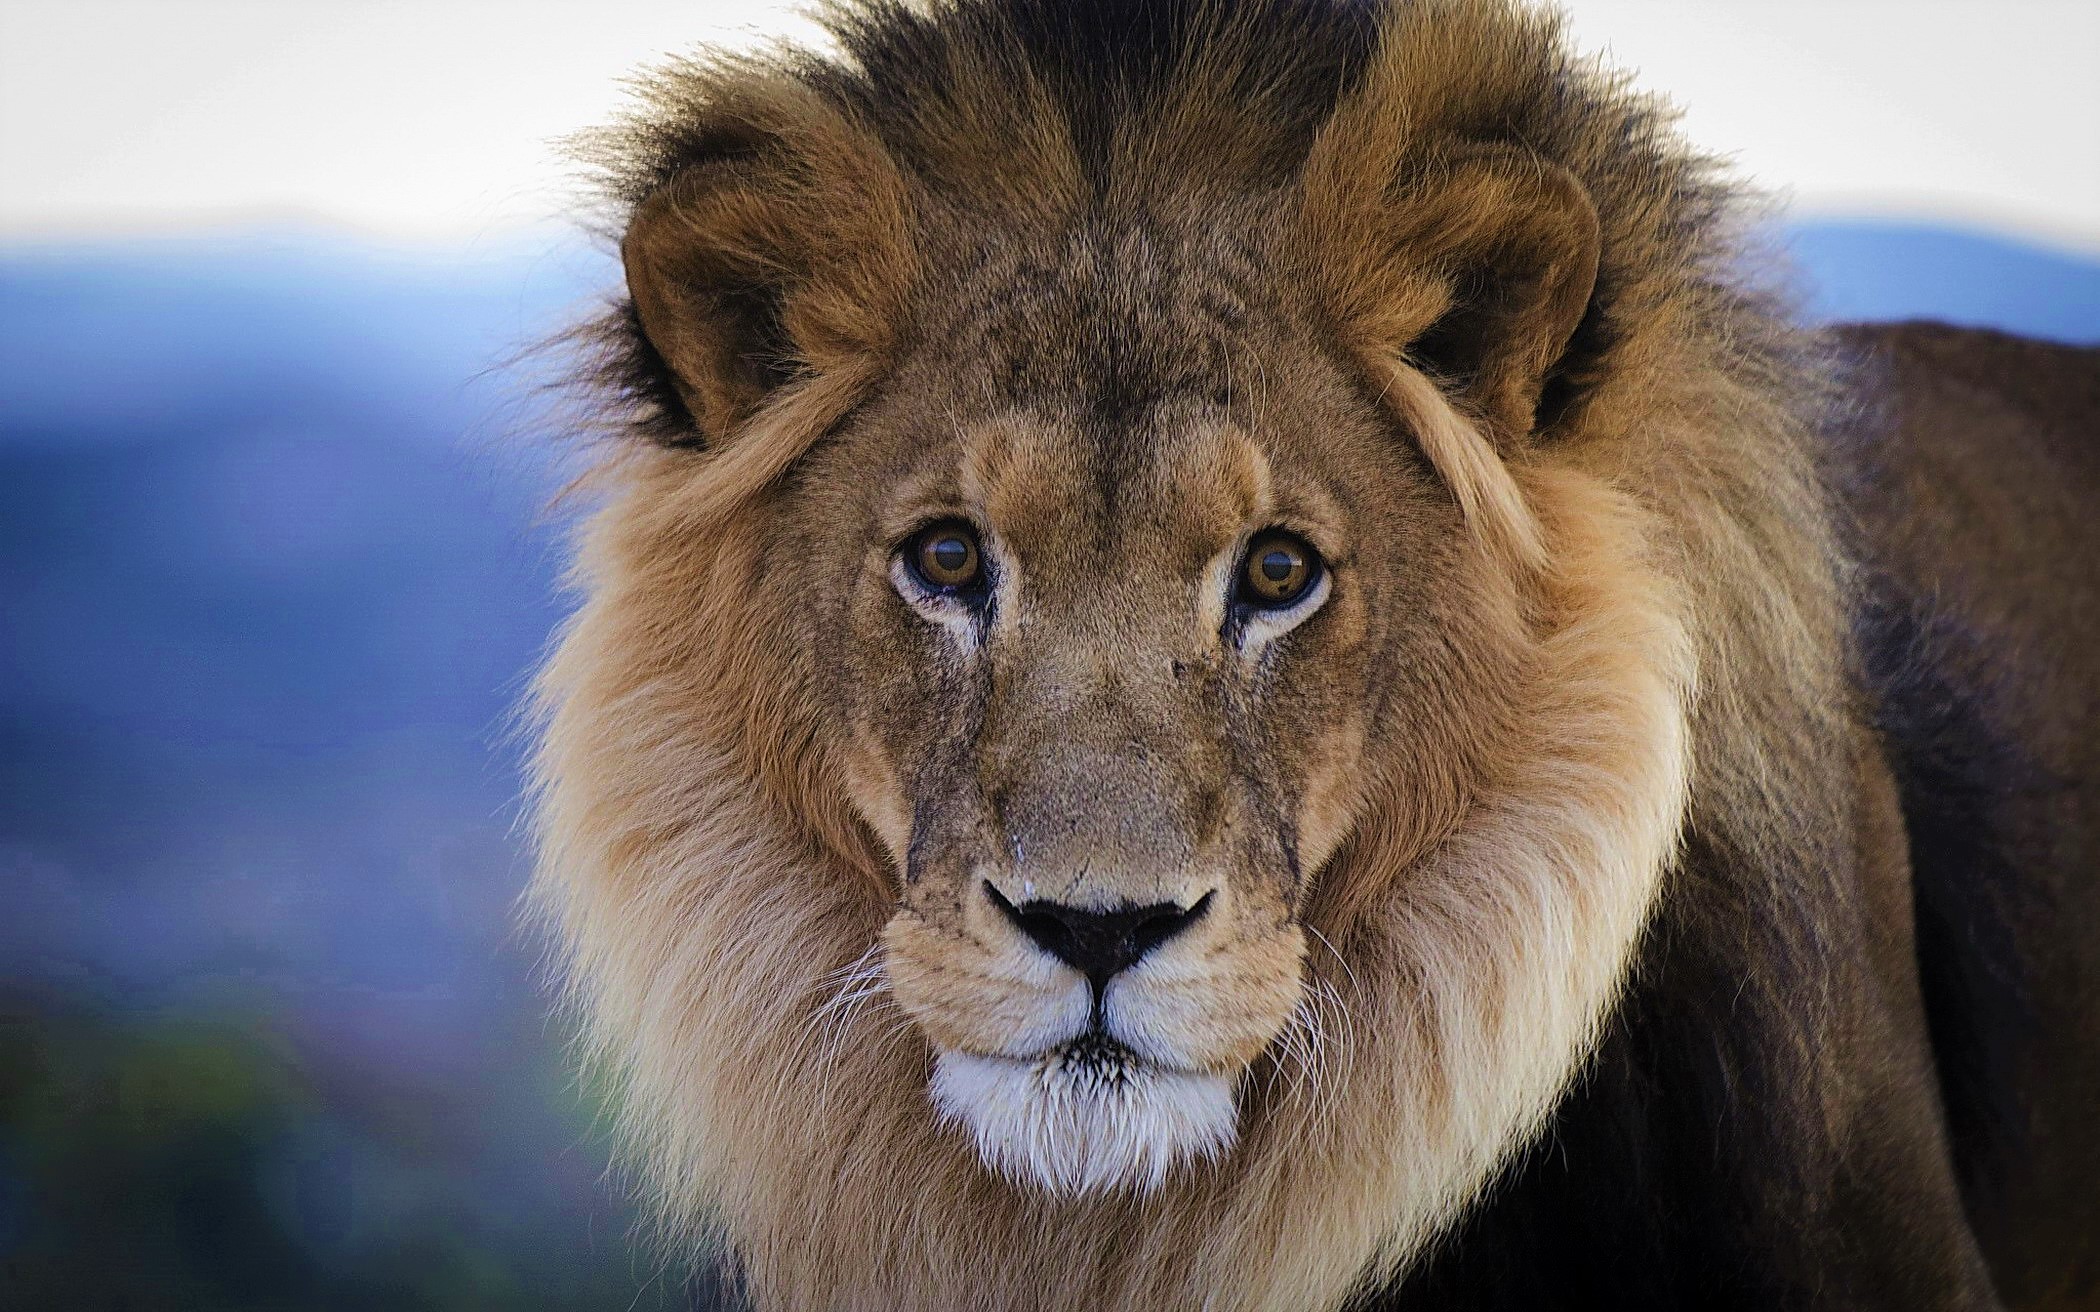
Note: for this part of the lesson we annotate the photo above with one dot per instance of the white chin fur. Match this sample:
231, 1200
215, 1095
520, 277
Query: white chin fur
1075, 1127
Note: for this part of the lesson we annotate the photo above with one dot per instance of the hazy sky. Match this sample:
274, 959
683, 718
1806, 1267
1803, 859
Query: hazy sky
441, 117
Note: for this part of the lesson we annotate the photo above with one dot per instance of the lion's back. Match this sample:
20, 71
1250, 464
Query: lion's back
1973, 480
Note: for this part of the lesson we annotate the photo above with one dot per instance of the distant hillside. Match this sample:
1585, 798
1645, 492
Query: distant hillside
1895, 271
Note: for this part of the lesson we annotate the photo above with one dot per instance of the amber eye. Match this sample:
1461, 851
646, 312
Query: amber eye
945, 557
1278, 569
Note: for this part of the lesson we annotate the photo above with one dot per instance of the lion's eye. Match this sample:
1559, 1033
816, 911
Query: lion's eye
1278, 569
945, 557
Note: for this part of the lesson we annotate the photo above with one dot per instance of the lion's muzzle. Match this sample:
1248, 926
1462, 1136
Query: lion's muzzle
1089, 1049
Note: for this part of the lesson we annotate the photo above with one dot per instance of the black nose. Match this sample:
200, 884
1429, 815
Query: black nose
1097, 944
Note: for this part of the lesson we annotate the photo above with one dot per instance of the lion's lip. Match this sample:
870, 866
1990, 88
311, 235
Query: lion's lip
1092, 1049
1098, 1050
1096, 1047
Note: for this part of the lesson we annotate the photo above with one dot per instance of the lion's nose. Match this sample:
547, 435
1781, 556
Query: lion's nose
1098, 944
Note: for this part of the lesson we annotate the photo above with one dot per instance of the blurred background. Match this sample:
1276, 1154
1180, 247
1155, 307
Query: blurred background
275, 562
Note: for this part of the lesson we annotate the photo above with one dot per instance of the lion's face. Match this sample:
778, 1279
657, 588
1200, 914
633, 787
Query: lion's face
1106, 684
1160, 582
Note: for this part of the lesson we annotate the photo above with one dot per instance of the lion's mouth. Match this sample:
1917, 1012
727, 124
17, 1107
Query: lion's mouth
1087, 1117
1095, 1057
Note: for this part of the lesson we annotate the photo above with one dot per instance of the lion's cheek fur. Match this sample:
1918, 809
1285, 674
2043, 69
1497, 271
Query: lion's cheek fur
965, 998
1211, 1008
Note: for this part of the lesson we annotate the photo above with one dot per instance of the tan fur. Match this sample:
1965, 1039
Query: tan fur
726, 829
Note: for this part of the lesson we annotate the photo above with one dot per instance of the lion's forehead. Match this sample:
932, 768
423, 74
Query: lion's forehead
1079, 501
1117, 314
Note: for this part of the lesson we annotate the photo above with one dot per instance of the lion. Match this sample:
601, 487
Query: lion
1233, 657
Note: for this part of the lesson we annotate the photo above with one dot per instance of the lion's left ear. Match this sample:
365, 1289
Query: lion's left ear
1476, 265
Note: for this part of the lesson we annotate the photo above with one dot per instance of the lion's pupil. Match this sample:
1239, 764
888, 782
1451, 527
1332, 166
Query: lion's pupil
1277, 566
950, 555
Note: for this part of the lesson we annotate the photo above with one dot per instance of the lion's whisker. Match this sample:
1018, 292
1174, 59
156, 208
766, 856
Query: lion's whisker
1332, 951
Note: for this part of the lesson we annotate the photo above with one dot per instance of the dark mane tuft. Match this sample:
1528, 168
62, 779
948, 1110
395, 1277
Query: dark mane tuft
1105, 61
1009, 111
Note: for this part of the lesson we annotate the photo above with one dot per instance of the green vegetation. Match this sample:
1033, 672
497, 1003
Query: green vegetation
198, 1162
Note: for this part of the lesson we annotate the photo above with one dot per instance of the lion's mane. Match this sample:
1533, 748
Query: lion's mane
717, 903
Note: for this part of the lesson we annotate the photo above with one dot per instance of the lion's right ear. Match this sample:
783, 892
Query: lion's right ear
778, 255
